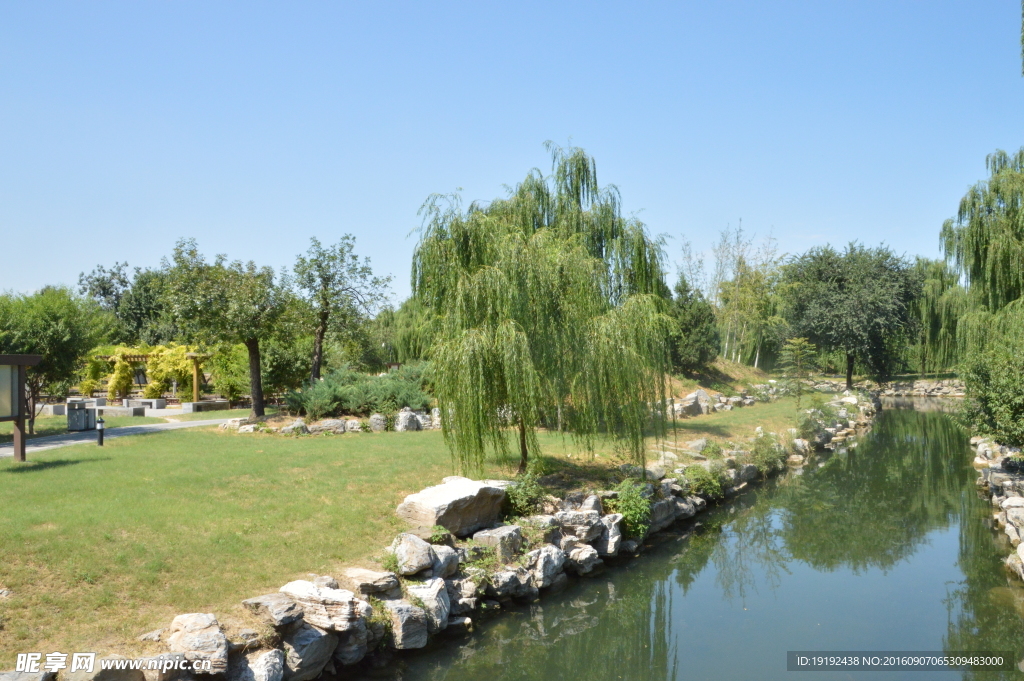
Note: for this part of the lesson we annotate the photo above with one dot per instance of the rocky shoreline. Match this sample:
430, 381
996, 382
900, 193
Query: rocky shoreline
1004, 484
459, 561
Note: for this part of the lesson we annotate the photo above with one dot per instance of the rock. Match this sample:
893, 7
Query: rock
1015, 516
795, 460
169, 667
434, 597
152, 635
547, 562
749, 402
378, 423
630, 546
697, 445
582, 559
328, 426
459, 625
326, 608
251, 428
413, 554
592, 503
353, 426
199, 637
611, 535
408, 625
460, 505
663, 514
307, 650
505, 541
801, 446
508, 583
548, 526
446, 561
98, 673
585, 525
352, 644
462, 594
325, 581
631, 471
684, 508
655, 471
746, 472
366, 583
298, 427
1012, 502
275, 609
406, 420
258, 666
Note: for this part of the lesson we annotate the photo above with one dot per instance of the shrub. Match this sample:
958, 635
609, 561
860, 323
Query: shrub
438, 534
389, 562
995, 401
706, 482
88, 387
523, 496
351, 392
634, 507
712, 450
768, 455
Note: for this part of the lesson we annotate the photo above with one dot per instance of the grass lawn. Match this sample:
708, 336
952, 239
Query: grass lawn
99, 546
58, 425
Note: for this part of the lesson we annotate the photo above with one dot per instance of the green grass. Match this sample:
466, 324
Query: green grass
58, 425
739, 424
99, 546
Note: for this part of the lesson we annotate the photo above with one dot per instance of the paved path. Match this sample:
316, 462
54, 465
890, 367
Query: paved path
38, 444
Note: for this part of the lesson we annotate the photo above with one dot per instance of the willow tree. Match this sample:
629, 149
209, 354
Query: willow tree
548, 307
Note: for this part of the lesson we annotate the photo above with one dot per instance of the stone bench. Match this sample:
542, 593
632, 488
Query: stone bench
207, 405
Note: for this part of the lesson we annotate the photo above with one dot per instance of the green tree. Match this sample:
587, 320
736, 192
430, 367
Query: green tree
796, 356
137, 303
56, 324
860, 301
222, 302
694, 340
548, 305
338, 287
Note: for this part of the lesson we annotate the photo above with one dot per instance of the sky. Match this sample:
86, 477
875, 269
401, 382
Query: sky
252, 127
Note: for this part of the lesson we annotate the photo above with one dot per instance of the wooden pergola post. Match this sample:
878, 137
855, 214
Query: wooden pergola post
13, 405
195, 357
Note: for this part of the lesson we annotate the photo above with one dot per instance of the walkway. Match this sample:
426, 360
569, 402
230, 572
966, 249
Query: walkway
38, 444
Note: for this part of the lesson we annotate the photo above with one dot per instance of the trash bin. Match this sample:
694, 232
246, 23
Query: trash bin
81, 417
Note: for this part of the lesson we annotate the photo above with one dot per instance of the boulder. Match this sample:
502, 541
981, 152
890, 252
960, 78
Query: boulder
407, 420
746, 472
460, 505
276, 609
408, 625
548, 526
1012, 502
298, 427
251, 428
366, 583
611, 535
801, 446
307, 650
446, 561
378, 423
328, 426
585, 525
98, 673
326, 608
459, 625
509, 583
413, 554
592, 503
582, 559
795, 460
258, 666
325, 581
352, 645
462, 592
505, 541
547, 562
353, 426
172, 667
663, 514
199, 637
697, 445
435, 603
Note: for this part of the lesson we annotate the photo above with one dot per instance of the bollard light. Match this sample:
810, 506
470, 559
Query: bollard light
99, 432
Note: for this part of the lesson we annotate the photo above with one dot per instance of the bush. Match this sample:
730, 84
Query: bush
712, 450
88, 387
768, 455
634, 507
995, 401
350, 392
523, 496
706, 482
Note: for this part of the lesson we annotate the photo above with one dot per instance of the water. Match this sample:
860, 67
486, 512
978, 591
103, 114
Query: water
884, 547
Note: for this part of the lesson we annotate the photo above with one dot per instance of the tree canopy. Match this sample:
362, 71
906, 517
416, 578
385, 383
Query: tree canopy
548, 306
694, 339
859, 301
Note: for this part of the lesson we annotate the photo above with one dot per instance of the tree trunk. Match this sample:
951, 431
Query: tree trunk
31, 411
522, 446
255, 376
318, 343
757, 356
849, 371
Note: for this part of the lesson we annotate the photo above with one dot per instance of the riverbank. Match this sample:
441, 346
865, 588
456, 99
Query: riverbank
1002, 479
461, 565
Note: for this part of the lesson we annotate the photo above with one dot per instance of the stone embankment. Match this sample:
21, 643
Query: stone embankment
1002, 477
924, 388
458, 562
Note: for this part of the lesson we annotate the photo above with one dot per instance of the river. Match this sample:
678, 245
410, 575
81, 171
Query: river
884, 547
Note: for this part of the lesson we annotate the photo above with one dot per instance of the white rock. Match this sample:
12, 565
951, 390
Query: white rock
460, 505
258, 666
408, 625
505, 541
547, 563
368, 582
611, 535
199, 637
326, 608
307, 650
446, 561
434, 596
413, 554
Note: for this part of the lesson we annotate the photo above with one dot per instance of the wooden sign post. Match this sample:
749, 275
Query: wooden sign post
13, 405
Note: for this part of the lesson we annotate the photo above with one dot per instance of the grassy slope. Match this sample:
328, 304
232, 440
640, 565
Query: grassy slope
100, 546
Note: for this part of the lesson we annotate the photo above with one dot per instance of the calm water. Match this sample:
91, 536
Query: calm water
881, 548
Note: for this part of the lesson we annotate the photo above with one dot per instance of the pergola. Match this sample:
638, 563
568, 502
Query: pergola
13, 406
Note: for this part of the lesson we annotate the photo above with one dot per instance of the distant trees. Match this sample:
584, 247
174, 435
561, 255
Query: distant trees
548, 306
56, 324
136, 303
860, 301
694, 337
222, 301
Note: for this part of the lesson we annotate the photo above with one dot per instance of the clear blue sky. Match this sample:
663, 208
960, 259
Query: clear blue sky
125, 126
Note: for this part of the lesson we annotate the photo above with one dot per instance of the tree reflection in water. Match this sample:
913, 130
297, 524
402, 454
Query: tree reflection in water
868, 508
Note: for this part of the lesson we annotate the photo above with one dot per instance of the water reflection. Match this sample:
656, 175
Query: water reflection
863, 550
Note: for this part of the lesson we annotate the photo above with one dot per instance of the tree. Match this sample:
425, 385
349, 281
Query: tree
226, 302
338, 285
137, 303
797, 355
547, 307
694, 340
56, 324
860, 301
